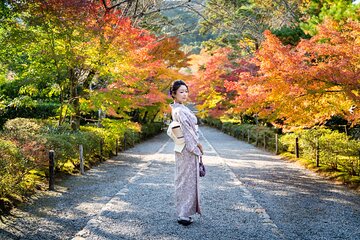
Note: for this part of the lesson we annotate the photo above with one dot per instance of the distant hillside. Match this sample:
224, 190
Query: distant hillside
185, 25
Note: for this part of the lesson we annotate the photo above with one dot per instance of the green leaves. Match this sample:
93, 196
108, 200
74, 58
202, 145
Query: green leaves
317, 11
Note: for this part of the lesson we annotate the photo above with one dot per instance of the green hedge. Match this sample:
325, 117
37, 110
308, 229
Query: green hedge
66, 147
338, 151
24, 146
149, 130
41, 110
254, 134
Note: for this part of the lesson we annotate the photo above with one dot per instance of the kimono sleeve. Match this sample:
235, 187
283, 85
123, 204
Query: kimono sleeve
191, 141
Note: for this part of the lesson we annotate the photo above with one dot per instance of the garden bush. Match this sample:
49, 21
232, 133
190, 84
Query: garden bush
26, 134
336, 150
149, 130
22, 128
212, 122
25, 143
254, 133
13, 168
66, 147
40, 110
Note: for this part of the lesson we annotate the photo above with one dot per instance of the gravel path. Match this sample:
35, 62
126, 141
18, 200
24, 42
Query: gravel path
247, 194
61, 214
301, 204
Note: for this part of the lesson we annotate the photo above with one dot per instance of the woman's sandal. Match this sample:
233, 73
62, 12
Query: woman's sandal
184, 221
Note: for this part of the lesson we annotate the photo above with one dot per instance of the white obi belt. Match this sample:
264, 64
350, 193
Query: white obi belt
175, 133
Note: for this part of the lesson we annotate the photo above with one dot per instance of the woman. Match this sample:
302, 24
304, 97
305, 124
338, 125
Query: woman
186, 156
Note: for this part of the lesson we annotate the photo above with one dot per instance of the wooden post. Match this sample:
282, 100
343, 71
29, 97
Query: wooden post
248, 136
101, 147
124, 141
276, 144
358, 163
264, 140
346, 130
257, 137
297, 147
81, 151
51, 170
317, 153
117, 146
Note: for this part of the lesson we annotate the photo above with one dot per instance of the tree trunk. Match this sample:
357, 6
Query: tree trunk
153, 119
75, 117
61, 108
144, 117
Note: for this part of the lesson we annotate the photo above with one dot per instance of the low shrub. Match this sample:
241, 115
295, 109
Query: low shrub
212, 122
22, 129
40, 110
26, 134
66, 147
255, 134
13, 168
336, 150
149, 130
25, 143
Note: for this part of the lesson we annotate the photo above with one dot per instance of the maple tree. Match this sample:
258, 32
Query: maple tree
306, 84
207, 88
213, 70
90, 57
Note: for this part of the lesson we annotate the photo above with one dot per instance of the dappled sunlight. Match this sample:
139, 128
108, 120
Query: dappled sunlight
280, 193
337, 200
126, 228
117, 205
243, 208
93, 204
156, 185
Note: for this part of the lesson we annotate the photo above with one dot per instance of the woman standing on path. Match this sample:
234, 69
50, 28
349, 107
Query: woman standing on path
186, 156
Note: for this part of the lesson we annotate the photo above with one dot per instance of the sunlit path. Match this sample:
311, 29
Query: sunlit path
145, 208
301, 204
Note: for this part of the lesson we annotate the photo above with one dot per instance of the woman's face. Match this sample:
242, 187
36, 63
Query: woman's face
181, 94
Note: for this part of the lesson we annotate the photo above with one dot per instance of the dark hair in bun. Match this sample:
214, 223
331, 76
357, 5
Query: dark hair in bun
175, 86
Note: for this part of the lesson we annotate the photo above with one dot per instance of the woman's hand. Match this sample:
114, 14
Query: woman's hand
201, 148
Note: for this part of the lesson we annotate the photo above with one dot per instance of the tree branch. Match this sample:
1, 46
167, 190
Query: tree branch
104, 3
143, 13
118, 4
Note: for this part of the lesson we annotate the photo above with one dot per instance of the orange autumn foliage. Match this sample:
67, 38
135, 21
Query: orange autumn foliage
207, 87
307, 84
132, 68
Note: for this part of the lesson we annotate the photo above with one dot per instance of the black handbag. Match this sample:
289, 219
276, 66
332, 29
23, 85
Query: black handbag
202, 171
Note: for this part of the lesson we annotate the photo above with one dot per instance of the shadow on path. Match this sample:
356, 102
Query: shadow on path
77, 199
301, 204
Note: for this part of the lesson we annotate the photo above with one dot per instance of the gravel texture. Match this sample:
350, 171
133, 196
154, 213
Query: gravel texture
301, 204
246, 194
77, 199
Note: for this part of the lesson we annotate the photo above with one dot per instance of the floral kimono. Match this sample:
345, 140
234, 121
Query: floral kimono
187, 165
